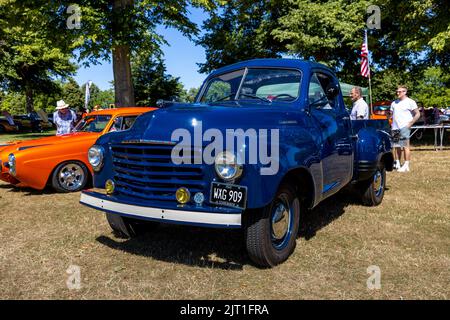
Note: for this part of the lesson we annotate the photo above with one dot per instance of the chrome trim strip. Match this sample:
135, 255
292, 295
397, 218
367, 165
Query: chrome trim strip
197, 217
138, 141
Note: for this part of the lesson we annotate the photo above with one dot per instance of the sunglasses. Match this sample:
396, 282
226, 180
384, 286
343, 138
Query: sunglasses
400, 91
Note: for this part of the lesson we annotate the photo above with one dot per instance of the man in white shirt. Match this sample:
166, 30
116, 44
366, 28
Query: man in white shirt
360, 110
64, 118
404, 113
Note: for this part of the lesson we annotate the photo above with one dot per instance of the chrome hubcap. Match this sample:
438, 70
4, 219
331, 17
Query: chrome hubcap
378, 183
71, 176
280, 221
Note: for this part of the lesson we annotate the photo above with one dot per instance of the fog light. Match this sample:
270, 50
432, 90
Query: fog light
109, 186
183, 195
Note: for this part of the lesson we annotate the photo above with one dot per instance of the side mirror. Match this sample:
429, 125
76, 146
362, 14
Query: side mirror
332, 90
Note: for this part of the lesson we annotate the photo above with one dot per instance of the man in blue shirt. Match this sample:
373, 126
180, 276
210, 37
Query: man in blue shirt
64, 118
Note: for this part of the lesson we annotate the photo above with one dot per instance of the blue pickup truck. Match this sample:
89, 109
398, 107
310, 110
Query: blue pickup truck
264, 140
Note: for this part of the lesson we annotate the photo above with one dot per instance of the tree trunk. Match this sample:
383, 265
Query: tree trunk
29, 98
123, 84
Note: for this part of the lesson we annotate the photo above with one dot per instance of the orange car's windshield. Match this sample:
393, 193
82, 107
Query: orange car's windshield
93, 123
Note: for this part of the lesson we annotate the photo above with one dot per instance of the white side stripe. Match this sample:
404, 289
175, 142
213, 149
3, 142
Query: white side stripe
163, 214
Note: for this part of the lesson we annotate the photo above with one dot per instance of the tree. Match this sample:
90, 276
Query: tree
189, 95
434, 89
240, 31
414, 34
122, 28
32, 54
386, 82
14, 103
73, 94
151, 82
97, 96
103, 98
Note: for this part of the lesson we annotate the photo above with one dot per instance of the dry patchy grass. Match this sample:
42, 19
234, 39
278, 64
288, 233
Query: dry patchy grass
408, 237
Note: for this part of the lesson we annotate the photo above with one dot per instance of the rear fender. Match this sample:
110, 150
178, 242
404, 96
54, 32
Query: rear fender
372, 147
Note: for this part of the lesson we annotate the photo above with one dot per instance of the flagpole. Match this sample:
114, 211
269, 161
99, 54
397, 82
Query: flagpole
370, 81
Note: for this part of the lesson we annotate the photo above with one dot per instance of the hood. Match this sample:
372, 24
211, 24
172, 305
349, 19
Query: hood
14, 146
160, 124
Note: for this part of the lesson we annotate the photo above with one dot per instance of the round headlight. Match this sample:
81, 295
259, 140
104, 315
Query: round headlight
227, 166
95, 157
12, 164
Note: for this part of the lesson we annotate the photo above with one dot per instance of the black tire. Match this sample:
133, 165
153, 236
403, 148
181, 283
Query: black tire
264, 246
2, 129
124, 227
372, 190
62, 182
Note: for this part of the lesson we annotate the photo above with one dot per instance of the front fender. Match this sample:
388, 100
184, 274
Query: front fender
296, 151
34, 169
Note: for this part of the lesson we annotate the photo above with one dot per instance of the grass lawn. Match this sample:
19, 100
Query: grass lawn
25, 136
408, 237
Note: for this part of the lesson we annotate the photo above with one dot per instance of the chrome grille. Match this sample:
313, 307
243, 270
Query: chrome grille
146, 171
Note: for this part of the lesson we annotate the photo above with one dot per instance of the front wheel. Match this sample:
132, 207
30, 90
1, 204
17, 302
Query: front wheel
372, 190
70, 177
272, 231
124, 227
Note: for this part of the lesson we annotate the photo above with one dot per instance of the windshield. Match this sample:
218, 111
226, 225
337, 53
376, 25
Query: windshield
261, 84
93, 123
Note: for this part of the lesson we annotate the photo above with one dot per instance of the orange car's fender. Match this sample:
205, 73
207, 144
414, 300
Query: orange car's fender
39, 181
34, 170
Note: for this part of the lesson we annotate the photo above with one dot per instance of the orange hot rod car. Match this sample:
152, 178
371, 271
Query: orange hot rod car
61, 161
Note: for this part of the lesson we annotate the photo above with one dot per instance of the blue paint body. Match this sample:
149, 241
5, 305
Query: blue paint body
330, 148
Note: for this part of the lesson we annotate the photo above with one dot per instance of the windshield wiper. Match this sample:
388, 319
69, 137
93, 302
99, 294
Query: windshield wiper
256, 97
223, 98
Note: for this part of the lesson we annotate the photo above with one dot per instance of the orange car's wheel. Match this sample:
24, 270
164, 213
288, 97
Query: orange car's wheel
70, 177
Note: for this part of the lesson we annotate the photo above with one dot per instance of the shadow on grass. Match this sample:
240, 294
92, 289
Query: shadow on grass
325, 213
198, 247
26, 190
217, 248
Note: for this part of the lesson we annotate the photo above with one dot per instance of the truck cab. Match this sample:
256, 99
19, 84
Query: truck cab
264, 140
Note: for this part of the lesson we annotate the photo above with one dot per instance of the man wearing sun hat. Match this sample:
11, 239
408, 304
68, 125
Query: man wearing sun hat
64, 118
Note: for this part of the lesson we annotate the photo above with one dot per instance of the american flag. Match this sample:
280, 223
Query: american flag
365, 69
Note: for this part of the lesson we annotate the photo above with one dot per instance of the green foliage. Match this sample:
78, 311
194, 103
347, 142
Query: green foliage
414, 37
14, 103
33, 54
434, 89
72, 94
239, 31
102, 98
385, 83
188, 95
69, 91
151, 83
103, 28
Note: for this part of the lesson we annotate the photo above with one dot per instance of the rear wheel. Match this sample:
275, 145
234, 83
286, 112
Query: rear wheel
124, 227
271, 232
372, 190
70, 177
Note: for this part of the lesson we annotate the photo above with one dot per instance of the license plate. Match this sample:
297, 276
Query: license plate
229, 195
